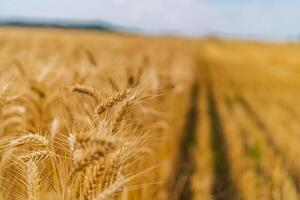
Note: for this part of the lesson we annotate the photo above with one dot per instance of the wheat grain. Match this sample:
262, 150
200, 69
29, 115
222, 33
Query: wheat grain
37, 155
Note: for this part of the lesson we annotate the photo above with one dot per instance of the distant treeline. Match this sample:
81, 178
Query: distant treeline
70, 24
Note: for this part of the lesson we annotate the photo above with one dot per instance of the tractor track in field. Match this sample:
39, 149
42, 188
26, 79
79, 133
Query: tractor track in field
181, 186
223, 186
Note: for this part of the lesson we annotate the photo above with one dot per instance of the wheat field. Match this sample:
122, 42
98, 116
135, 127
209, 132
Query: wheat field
91, 115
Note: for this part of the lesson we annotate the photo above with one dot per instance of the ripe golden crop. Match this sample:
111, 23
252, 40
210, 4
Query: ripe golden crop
89, 115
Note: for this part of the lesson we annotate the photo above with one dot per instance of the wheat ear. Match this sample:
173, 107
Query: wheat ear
114, 189
89, 152
117, 121
100, 176
37, 155
33, 180
91, 180
84, 90
91, 157
3, 95
100, 147
112, 101
31, 138
108, 142
13, 118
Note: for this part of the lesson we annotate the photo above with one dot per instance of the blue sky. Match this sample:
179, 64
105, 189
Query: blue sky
273, 19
